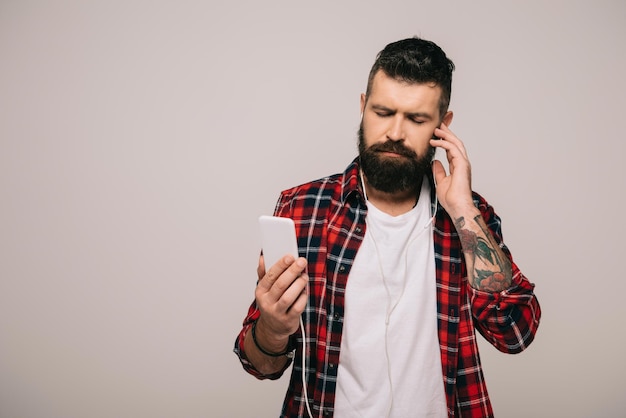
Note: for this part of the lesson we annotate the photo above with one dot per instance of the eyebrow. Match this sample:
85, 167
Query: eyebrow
422, 115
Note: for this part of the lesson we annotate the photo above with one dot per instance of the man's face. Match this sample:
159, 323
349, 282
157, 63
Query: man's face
398, 122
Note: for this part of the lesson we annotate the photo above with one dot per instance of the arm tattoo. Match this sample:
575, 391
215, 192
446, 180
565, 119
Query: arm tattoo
488, 267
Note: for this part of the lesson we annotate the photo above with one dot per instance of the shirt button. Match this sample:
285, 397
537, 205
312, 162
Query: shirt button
336, 317
357, 230
342, 268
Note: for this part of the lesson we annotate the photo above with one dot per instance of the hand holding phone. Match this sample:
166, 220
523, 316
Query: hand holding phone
283, 304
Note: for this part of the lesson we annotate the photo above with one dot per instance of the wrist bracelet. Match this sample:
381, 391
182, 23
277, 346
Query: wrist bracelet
288, 351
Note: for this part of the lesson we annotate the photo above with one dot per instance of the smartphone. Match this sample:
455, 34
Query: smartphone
278, 238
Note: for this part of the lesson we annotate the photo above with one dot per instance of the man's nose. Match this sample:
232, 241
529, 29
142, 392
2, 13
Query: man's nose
396, 129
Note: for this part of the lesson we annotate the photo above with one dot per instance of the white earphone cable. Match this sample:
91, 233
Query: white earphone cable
304, 389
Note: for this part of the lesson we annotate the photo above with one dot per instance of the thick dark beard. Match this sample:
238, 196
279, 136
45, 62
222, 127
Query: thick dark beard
393, 174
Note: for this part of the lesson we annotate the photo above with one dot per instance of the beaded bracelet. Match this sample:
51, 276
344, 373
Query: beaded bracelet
288, 351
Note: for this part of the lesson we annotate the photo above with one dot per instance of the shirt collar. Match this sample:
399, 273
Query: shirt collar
351, 185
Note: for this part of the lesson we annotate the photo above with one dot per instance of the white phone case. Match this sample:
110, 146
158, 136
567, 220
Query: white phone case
278, 238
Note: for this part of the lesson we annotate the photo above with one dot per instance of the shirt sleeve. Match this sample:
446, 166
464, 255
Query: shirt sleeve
508, 319
240, 350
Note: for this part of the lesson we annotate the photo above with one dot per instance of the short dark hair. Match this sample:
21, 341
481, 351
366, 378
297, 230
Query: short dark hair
416, 60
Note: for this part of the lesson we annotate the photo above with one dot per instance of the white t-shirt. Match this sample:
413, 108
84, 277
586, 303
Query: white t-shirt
390, 362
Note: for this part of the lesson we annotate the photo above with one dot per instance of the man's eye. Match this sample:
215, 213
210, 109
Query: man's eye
417, 121
383, 114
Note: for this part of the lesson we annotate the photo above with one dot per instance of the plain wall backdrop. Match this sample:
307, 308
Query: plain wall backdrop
140, 141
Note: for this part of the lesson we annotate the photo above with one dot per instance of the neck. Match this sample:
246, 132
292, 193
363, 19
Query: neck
393, 204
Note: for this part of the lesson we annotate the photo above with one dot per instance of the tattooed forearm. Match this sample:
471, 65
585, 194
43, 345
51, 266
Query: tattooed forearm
487, 266
467, 237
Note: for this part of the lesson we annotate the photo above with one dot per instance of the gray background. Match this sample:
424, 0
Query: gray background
140, 141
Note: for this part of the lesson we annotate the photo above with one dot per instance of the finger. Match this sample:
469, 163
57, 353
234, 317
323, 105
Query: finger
291, 299
274, 272
300, 304
287, 278
446, 145
260, 269
457, 162
453, 148
445, 133
439, 173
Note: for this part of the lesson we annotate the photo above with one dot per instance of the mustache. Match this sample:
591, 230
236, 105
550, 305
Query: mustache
394, 147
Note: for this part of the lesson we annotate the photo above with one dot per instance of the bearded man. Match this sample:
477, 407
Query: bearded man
400, 264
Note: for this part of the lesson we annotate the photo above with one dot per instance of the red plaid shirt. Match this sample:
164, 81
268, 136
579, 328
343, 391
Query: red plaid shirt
330, 224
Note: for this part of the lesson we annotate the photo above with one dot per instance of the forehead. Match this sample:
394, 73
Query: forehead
397, 94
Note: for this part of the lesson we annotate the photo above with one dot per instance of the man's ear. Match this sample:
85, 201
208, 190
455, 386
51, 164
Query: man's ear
363, 101
447, 118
